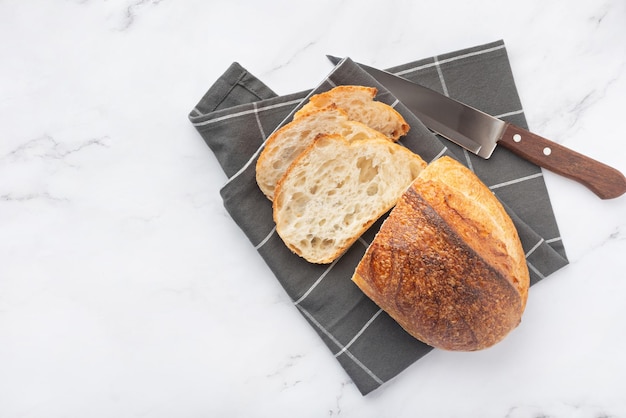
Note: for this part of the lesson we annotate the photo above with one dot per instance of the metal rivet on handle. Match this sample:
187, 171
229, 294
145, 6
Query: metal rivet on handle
517, 137
547, 151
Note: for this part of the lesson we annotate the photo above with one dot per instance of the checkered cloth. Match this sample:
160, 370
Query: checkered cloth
239, 112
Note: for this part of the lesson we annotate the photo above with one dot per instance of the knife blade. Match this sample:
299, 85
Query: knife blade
479, 133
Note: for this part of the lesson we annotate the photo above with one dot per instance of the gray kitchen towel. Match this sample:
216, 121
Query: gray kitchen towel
239, 112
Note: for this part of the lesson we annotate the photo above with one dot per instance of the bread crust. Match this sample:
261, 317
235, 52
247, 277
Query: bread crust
329, 97
471, 209
358, 102
437, 269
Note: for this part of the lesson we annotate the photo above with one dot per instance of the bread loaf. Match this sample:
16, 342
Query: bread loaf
447, 264
358, 102
284, 145
336, 189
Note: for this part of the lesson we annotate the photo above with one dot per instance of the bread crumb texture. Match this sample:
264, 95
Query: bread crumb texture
288, 142
336, 189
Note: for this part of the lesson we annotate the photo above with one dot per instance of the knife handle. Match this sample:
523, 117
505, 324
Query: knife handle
604, 181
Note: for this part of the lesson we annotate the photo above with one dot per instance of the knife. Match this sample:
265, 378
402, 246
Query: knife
479, 133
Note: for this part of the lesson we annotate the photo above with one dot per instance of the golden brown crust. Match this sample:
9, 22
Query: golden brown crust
327, 98
436, 269
359, 104
470, 208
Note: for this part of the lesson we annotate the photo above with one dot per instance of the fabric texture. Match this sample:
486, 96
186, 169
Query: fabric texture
239, 112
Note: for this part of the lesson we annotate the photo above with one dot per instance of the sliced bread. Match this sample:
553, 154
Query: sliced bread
336, 189
284, 145
358, 102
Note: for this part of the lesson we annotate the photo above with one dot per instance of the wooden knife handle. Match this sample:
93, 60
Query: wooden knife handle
601, 179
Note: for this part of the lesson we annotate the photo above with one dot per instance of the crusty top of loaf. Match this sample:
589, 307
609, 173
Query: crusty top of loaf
440, 270
471, 209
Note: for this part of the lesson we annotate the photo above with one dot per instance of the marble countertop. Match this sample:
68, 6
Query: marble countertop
127, 291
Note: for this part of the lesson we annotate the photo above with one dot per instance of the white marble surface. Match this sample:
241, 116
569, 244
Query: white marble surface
127, 291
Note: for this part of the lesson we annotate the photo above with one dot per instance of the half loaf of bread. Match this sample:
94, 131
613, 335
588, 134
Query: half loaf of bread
447, 264
336, 189
284, 145
358, 102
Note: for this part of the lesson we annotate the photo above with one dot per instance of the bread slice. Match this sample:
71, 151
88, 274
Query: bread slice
447, 264
284, 145
358, 102
336, 189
